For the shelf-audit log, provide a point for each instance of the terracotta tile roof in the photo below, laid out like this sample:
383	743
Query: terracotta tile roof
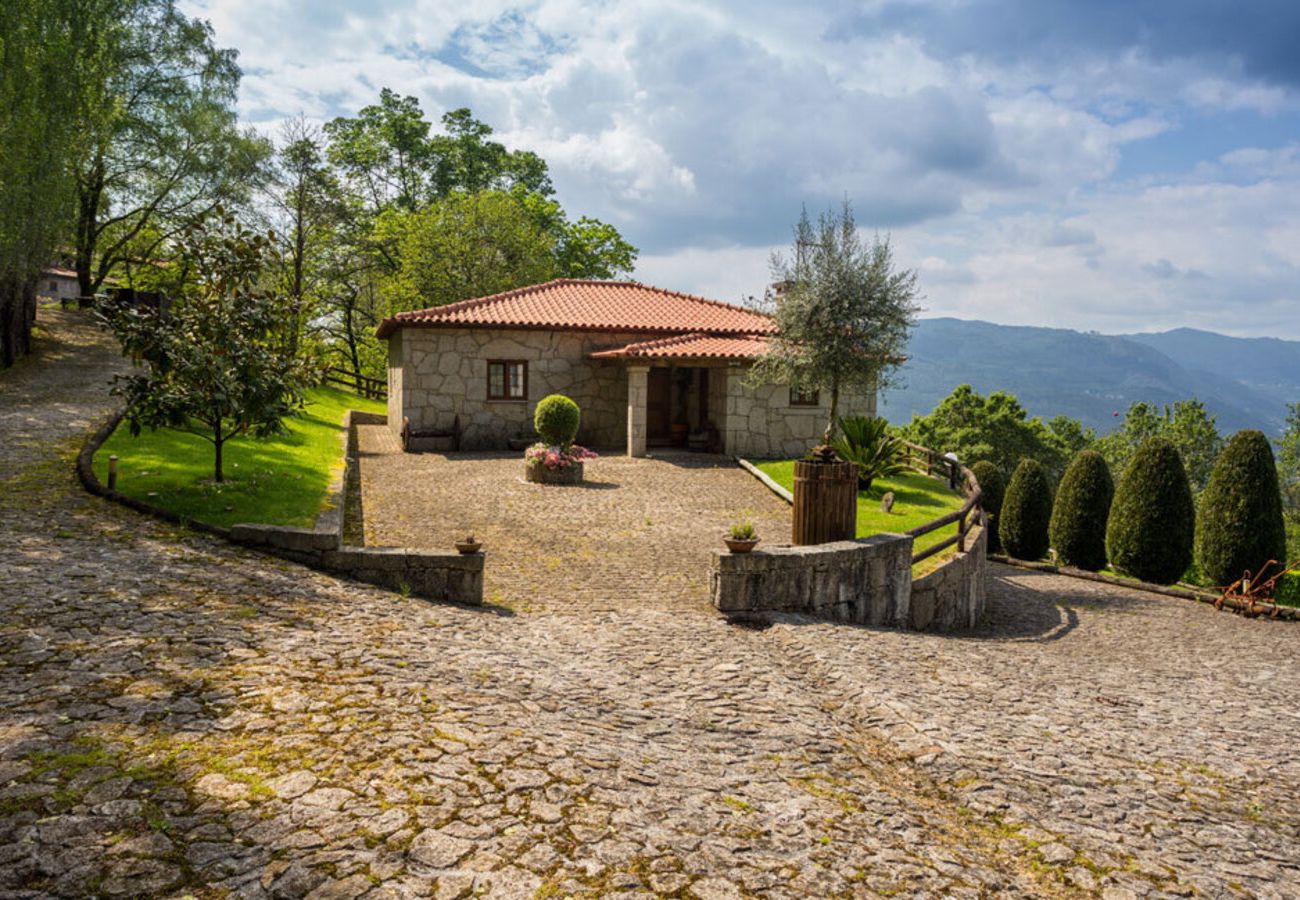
60	271
691	346
574	305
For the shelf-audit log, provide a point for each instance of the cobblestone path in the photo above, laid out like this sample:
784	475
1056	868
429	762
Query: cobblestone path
178	716
639	532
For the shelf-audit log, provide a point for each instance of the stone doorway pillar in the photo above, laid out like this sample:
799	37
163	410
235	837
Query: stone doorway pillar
638	391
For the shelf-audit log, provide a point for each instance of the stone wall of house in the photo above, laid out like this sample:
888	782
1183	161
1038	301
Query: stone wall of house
436	374
760	422
865	582
951	597
443	373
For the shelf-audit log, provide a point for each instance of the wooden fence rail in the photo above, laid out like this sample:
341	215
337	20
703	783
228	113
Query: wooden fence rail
373	388
930	462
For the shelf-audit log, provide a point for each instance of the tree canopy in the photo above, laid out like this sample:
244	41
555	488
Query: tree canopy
844	313
158	142
1187	425
42	76
997	428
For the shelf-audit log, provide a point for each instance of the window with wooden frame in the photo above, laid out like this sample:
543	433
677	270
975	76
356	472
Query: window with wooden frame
803	398
507	379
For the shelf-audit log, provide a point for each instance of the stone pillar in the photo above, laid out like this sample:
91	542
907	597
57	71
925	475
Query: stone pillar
638	391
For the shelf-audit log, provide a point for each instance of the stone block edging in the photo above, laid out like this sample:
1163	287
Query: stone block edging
765	479
432	574
1262	610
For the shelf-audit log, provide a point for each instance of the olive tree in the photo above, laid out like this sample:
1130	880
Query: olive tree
842	311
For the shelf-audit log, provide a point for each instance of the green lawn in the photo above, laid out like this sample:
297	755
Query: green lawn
281	480
917	499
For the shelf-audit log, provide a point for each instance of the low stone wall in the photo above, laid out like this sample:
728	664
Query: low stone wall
951	597
865	582
432	574
435	575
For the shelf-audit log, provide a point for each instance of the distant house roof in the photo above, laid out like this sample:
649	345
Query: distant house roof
691	346
568	304
59	271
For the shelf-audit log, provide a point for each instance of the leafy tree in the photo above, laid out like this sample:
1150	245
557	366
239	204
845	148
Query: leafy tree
470	245
844	313
1240	526
1288	463
42	75
158	141
1026	512
1079	514
993	487
1186	424
1152	519
306	206
997	428
210	367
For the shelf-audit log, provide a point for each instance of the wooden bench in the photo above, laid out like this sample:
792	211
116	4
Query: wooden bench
411	435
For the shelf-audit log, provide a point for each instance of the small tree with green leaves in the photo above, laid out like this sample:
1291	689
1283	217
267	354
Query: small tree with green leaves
1079	514
993	488
842	311
1026	512
1240	527
211	366
1152	520
556	420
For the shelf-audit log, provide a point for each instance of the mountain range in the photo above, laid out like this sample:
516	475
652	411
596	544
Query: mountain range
1244	382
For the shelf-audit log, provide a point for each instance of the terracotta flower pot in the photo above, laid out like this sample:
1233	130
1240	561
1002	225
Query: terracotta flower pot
736	545
468	547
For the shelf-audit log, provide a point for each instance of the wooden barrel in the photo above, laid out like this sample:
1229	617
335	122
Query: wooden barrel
825	502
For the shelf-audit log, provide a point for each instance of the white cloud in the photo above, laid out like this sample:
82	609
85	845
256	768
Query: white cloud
699	129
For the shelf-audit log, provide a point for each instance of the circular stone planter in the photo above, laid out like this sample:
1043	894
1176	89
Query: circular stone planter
735	545
570	474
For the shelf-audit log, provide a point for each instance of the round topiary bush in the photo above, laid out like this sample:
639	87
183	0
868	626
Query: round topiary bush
1078	529
1026	512
556	420
993	487
1240	527
1152	520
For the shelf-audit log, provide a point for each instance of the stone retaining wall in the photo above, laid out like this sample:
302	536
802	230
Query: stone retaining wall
432	574
951	597
865	582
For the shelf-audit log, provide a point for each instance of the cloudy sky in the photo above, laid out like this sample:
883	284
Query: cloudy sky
1118	165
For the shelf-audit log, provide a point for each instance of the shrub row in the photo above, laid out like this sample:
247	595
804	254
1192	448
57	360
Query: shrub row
1148	527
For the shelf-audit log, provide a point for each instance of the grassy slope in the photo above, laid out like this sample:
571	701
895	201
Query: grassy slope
917	500
281	480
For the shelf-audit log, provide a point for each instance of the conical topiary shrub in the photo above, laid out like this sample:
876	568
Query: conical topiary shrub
1149	534
993	487
1026	512
1240	527
1079	513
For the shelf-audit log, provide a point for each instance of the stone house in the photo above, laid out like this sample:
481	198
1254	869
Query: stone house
58	283
649	367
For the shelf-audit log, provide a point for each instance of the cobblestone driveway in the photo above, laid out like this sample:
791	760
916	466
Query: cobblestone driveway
179	716
639	533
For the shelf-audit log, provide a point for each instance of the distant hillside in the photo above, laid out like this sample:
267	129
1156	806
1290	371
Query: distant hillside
1246	383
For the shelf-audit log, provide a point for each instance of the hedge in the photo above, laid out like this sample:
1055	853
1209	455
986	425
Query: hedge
1079	514
1152	519
993	487
1026	512
1240	527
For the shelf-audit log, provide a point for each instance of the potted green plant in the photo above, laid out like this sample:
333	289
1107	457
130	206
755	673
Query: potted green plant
742	538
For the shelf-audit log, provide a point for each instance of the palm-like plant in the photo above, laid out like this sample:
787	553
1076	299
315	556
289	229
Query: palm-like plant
867	443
